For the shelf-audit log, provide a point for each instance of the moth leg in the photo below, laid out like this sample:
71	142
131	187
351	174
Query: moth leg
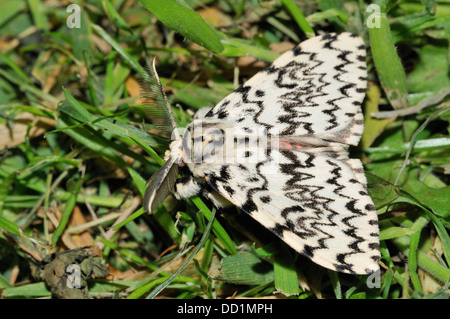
186	187
218	200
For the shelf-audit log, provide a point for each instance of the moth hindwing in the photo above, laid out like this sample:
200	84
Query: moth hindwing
277	148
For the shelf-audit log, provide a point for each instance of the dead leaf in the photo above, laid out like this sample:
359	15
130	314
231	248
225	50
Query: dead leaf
84	238
11	137
215	17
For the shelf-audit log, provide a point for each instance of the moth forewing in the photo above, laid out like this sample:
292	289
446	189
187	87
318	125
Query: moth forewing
160	185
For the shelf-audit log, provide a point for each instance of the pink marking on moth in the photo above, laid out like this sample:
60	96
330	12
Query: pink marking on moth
289	146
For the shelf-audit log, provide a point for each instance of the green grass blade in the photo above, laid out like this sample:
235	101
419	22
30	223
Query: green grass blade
441	230
14	67
125	55
387	63
284	273
326	15
38	289
218	230
335	282
186	22
114	16
70	204
98	143
150	151
412	260
130	218
203	240
78	112
298	16
433	268
245	269
240	47
10	227
128	254
9	8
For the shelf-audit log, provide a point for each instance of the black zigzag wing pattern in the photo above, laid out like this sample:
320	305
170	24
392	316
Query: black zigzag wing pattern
305	189
312	200
315	89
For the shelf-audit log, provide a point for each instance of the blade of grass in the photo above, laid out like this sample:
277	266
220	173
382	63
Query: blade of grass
218	230
18	70
38	289
125	55
75	110
412	260
128	254
283	28
207	255
116	74
132	217
433	268
203	240
4	283
387	282
38	163
9	8
146	148
245	269
96	142
413	142
440	228
7	181
186	22
327	15
81	37
334	277
421	145
26	88
37	9
284	273
240	47
90	80
387	63
114	16
10	226
70	204
298	16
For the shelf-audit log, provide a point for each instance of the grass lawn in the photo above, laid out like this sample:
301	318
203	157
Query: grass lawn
76	149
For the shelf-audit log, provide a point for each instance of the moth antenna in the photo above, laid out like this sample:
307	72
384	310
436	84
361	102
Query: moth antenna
155	103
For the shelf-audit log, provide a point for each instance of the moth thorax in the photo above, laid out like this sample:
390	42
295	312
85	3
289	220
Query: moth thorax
176	151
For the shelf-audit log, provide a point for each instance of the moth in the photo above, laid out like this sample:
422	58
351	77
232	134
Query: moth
277	148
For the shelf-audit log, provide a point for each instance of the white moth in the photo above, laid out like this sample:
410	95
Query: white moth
277	147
